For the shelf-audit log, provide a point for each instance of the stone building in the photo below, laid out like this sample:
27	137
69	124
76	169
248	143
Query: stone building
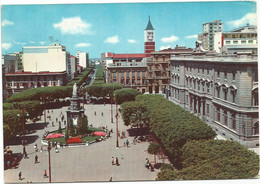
159	68
220	90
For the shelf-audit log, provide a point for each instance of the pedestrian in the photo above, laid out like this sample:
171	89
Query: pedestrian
56	120
52	111
35	147
52	123
102	114
41	148
36	159
113	163
25	155
127	143
20	175
110	179
45	174
95	113
8	163
117	163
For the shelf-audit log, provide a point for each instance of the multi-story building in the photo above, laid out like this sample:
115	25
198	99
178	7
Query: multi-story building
83	59
73	64
222	90
19	81
210	35
129	70
240	40
159	68
10	62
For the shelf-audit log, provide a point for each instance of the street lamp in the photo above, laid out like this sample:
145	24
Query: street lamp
111	98
117	145
49	151
23	115
43	99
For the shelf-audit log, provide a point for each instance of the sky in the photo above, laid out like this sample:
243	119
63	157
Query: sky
116	27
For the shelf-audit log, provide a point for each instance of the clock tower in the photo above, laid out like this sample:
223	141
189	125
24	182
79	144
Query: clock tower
149	43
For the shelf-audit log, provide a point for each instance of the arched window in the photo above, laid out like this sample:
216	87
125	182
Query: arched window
255	96
256	128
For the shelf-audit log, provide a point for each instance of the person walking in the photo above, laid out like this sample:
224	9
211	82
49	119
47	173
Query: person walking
45	174
110	179
36	159
127	143
117	163
113	163
20	175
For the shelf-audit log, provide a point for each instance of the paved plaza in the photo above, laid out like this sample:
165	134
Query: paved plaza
84	163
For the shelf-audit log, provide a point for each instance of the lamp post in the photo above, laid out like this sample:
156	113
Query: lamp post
49	151
117	145
44	102
23	115
111	98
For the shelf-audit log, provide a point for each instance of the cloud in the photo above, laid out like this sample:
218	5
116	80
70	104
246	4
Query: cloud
6	46
42	42
131	41
165	47
170	39
191	36
112	39
32	42
250	18
73	25
19	43
7	23
83	45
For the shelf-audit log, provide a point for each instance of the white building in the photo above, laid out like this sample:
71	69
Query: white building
243	39
83	59
52	58
73	63
210	30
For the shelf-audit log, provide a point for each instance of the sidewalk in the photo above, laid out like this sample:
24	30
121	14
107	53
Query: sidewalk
92	163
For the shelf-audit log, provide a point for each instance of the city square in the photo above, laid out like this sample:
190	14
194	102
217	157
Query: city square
151	98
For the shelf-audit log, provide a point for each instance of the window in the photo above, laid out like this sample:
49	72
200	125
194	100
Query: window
225	117
207	109
114	77
207	71
217	89
218	114
250	41
233	120
217	74
228	42
235	42
233	76
243	42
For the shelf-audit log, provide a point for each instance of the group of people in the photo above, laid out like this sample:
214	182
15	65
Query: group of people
148	165
115	161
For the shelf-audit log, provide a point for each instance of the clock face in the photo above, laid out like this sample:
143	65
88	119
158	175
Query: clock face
150	37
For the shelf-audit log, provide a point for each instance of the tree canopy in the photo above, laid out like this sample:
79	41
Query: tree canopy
214	159
134	113
154	149
125	95
102	90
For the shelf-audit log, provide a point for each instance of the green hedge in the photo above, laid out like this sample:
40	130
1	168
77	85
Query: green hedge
102	90
174	126
214	159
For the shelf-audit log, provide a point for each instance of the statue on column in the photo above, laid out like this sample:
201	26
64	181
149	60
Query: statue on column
74	92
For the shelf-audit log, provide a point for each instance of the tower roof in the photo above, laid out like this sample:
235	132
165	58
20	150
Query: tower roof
149	25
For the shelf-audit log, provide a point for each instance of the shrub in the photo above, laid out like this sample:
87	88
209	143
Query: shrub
166	166
125	95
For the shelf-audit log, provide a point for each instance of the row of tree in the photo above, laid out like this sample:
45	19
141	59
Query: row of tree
102	90
79	79
99	78
189	142
213	159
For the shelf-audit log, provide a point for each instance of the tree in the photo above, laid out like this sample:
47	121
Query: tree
214	159
82	125
66	135
125	95
59	129
135	114
102	90
72	129
154	149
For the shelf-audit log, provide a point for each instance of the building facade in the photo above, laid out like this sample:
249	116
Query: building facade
240	40
220	90
210	35
73	64
19	81
83	59
159	67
